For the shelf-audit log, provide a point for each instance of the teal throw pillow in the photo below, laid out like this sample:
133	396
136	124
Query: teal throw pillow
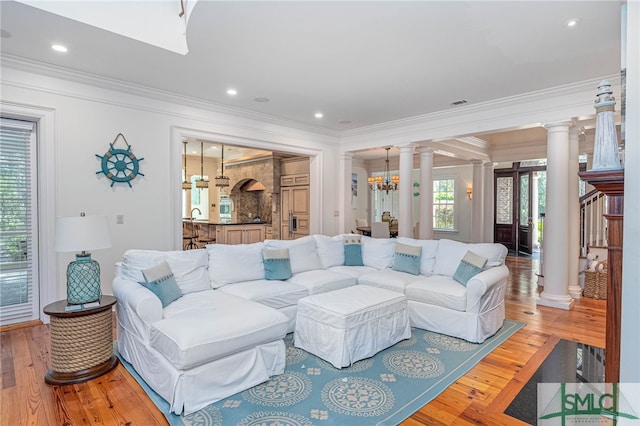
352	251
470	265
407	258
276	264
162	283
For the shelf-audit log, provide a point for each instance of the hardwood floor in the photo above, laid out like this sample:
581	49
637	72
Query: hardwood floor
479	397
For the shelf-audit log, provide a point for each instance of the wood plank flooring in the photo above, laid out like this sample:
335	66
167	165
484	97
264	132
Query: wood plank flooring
478	398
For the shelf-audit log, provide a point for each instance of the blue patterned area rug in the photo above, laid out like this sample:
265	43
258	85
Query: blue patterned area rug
382	390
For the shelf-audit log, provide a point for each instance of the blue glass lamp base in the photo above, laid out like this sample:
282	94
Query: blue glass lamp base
83	280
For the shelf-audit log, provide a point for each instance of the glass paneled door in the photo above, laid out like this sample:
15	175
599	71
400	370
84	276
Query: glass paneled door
519	198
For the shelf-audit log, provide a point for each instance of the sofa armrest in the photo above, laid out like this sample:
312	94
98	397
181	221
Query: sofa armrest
138	308
484	285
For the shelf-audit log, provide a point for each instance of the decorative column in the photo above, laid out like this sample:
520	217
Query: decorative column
556	233
346	165
477	199
426	193
405	212
574	213
488	204
608	176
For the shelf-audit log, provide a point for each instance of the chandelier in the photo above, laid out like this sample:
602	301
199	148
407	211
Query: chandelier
385	182
222	181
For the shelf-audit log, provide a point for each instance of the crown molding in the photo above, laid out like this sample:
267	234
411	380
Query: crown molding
412	128
81	77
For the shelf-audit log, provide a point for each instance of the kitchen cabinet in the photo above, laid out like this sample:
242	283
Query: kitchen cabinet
240	234
294	202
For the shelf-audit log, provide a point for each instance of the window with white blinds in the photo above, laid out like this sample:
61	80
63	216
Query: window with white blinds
19	299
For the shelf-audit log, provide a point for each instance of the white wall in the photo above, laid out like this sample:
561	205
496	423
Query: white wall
88	118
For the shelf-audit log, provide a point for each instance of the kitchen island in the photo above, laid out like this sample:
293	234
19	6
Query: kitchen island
227	233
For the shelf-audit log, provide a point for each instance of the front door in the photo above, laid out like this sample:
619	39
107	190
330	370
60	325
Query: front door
517	207
525	221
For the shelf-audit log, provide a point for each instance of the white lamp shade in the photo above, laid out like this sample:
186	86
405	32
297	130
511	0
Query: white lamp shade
82	233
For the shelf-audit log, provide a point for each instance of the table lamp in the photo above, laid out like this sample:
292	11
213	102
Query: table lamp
79	234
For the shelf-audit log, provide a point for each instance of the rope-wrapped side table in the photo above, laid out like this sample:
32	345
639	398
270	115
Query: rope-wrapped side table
81	342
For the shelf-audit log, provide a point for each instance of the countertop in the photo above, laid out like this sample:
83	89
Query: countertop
226	224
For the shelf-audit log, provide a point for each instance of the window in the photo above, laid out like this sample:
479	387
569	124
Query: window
195	203
19	300
443	203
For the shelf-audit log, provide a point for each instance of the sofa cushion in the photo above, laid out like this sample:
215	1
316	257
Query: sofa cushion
330	250
428	255
353	250
378	252
354	271
276	294
276	264
451	252
198	336
189	267
322	280
470	265
160	280
494	252
303	253
406	258
438	290
388	279
235	263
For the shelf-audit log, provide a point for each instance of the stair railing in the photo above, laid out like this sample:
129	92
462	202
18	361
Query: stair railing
593	224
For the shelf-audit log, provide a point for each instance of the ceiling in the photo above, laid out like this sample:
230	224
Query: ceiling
359	63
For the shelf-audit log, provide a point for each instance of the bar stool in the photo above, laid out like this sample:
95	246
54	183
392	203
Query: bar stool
201	236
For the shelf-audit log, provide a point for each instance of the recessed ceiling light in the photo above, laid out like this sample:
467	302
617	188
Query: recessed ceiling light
572	23
232	92
345	122
261	99
59	48
319	115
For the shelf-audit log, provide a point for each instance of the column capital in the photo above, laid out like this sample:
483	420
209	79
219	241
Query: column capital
425	149
488	164
558	125
345	155
408	147
476	162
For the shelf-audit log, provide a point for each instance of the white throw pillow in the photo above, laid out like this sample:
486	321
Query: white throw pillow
189	267
448	257
378	252
303	253
330	250
494	252
428	256
235	263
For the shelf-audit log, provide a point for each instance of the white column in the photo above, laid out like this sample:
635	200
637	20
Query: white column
488	204
573	196
426	193
556	233
477	199
405	211
346	165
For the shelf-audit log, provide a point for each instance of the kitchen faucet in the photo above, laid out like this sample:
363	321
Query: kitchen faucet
194	209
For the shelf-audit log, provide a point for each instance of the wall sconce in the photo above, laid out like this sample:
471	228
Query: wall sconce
469	193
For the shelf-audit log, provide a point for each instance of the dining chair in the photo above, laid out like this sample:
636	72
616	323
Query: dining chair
380	230
361	222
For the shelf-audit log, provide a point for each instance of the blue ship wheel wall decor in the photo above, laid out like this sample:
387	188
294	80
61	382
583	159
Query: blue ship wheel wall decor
119	165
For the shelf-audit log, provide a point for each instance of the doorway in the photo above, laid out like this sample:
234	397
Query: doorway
519	203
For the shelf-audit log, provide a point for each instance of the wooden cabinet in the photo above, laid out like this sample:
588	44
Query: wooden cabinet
294	206
240	234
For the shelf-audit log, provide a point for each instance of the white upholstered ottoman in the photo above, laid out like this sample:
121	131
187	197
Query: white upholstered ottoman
350	324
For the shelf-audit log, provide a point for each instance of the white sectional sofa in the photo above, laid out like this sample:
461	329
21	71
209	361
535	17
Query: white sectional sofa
225	332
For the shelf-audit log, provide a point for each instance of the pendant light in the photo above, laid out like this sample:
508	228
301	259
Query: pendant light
185	183
222	181
202	183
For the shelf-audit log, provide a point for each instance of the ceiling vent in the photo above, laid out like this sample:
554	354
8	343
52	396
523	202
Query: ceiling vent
458	103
